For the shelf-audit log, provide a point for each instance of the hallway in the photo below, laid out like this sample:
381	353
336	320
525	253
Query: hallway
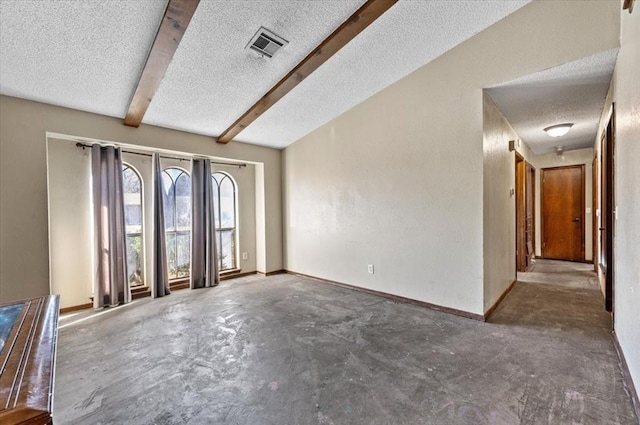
561	273
290	350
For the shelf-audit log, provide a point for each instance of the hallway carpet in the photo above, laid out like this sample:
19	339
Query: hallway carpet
291	350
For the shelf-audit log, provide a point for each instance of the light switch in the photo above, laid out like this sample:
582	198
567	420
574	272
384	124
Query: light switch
588	210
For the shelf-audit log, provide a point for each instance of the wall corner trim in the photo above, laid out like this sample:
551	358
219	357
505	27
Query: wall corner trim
493	308
397	298
626	377
272	273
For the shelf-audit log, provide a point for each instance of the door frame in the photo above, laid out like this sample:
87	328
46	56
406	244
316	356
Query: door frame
595	206
531	175
582	213
521	263
607	204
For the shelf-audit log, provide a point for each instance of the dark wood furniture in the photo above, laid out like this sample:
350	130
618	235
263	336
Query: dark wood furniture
28	332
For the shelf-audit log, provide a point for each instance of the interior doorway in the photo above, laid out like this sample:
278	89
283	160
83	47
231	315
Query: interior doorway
607	206
530	212
525	213
562	207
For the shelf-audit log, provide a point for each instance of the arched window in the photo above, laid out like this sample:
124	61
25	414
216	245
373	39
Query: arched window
177	221
224	202
132	186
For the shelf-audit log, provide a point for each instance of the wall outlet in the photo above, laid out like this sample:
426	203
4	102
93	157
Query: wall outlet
370	268
245	256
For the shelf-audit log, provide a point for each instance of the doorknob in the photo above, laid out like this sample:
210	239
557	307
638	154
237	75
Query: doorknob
576	219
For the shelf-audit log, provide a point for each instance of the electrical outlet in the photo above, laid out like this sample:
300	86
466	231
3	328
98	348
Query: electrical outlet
245	256
370	268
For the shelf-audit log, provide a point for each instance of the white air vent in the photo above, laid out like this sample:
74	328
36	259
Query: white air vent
266	43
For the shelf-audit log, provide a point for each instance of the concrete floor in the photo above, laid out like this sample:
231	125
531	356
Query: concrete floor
289	350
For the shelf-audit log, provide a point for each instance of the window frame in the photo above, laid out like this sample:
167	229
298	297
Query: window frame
235	232
126	165
176	230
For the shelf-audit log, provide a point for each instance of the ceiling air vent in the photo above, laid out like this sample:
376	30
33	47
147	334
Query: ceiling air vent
266	43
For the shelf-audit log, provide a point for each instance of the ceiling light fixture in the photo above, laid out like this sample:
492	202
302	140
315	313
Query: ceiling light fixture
558	130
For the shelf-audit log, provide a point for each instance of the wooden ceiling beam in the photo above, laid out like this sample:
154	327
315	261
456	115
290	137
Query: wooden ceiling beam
628	5
346	32
174	24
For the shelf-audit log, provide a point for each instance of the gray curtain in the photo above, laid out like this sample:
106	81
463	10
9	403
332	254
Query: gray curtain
204	255
160	270
111	286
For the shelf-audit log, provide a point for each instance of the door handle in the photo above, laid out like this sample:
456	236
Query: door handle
576	219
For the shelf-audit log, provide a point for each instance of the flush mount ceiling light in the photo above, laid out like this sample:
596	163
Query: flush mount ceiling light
558	130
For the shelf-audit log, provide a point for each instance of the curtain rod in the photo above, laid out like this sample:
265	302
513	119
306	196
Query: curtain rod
84	145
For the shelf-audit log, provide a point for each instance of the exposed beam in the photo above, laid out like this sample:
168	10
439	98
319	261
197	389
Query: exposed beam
174	23
346	32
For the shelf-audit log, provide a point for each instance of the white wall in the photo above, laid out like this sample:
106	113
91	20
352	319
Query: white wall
574	157
397	181
627	192
24	244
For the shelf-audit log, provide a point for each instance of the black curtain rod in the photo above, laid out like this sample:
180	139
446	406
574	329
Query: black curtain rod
84	145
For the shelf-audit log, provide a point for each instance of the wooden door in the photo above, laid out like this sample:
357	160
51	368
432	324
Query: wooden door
606	214
521	246
563	213
530	190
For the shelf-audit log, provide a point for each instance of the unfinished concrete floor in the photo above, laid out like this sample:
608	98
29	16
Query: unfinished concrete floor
289	350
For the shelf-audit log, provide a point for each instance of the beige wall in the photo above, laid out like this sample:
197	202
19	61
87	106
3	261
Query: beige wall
24	245
499	206
70	222
627	192
397	181
574	157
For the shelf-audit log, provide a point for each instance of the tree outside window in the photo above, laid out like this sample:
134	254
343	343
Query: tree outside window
132	186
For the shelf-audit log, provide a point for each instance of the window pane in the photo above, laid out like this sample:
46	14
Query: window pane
134	260
130	180
227	204
183	254
183	202
171	254
132	188
168	200
226	250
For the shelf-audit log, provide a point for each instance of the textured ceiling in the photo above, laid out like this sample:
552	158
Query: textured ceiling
407	36
573	92
87	55
84	54
213	79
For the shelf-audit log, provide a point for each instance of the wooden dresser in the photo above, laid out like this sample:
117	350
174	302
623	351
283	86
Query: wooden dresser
28	335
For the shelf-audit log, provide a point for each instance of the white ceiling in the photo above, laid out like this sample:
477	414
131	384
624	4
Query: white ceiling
88	54
85	55
571	93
